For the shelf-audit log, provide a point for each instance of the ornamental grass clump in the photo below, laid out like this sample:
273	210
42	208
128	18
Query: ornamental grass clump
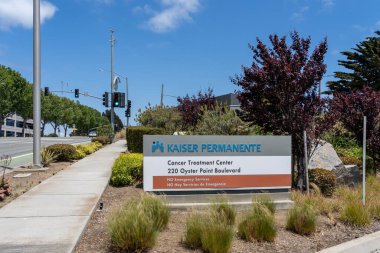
156	208
210	230
302	219
266	201
354	213
258	224
224	211
217	236
135	226
194	229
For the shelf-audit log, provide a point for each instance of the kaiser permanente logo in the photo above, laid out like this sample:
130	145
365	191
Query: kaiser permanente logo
206	148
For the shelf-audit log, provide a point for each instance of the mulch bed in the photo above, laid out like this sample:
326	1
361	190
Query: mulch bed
19	186
329	233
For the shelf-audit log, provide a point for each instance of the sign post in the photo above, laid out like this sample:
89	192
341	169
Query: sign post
206	163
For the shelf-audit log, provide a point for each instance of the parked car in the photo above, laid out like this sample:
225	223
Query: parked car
92	133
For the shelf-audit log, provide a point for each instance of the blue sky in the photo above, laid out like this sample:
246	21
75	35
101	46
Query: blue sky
186	44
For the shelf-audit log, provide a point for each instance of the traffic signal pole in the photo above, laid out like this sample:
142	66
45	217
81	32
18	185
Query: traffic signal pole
112	90
36	84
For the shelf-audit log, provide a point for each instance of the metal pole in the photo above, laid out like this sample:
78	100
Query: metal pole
36	84
162	96
126	80
364	154
306	162
112	77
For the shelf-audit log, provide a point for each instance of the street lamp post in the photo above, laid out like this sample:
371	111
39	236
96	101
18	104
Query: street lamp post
112	89
36	84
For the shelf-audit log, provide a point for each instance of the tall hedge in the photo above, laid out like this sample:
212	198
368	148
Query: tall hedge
135	137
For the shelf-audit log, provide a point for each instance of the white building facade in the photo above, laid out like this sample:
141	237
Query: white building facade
12	127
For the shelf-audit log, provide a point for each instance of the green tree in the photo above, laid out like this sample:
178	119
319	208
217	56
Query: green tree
220	120
6	93
168	118
118	123
24	101
364	66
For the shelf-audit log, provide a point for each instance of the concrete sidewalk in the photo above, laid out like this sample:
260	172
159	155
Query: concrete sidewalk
52	216
366	244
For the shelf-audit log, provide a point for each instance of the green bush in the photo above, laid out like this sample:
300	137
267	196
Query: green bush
126	169
324	179
157	210
47	157
258	224
104	140
131	228
208	231
79	154
64	152
89	148
135	137
224	211
354	213
217	237
193	230
302	219
266	201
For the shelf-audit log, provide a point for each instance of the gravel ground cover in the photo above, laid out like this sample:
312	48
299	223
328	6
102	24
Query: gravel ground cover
329	232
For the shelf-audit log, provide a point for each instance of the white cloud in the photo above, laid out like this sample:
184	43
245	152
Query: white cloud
299	15
328	4
15	13
174	13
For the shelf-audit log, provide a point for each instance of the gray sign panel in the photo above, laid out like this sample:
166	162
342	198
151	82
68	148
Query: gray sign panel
209	145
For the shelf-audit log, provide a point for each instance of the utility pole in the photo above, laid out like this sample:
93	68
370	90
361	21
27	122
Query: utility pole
162	96
127	91
36	84
112	77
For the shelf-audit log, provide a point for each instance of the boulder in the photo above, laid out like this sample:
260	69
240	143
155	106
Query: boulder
325	157
349	175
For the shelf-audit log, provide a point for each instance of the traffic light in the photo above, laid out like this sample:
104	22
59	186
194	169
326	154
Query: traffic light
129	104
105	99
116	99
128	113
46	91
76	93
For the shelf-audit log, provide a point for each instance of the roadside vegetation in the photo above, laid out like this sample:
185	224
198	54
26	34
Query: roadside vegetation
134	226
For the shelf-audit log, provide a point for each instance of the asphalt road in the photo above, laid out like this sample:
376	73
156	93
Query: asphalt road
21	149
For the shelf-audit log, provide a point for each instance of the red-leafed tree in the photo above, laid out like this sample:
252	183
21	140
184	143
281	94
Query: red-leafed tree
350	108
279	91
190	107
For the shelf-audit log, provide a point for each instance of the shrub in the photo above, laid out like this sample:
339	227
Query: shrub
127	169
302	219
64	152
131	229
354	213
224	211
89	148
135	137
258	224
208	231
156	208
266	201
217	237
52	135
79	154
324	179
104	140
193	230
47	157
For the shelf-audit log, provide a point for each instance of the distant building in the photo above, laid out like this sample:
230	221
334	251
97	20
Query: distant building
229	99
12	127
